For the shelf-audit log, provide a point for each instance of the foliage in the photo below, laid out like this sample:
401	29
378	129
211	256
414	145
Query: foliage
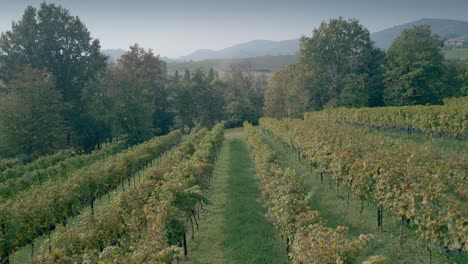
414	68
448	120
50	38
45	206
198	102
31	122
285	94
244	94
118	222
413	182
285	197
23	177
338	52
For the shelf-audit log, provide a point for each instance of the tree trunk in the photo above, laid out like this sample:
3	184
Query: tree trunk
401	230
185	245
92	206
379	217
50	243
430	254
191	224
196	222
32	250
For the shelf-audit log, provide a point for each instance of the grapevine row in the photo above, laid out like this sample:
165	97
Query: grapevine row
413	182
38	212
8	163
451	120
16	169
64	168
285	196
172	206
116	223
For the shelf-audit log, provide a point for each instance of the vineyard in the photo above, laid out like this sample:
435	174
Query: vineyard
331	188
417	184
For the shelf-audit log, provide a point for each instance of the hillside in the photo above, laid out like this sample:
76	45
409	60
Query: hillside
445	28
249	49
114	54
263	63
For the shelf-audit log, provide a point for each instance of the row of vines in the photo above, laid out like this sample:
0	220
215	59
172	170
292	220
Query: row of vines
12	168
413	182
284	194
148	223
435	120
24	177
118	222
26	217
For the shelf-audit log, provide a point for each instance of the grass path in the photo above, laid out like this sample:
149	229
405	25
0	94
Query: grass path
233	228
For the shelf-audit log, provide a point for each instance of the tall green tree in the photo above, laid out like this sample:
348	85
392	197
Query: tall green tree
455	79
209	99
244	99
211	75
414	68
276	93
176	76
198	102
141	97
184	105
31	122
287	93
187	75
96	121
50	38
336	49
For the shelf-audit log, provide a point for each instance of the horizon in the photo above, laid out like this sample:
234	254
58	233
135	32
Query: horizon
215	25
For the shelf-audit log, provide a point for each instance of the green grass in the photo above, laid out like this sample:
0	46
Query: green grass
460	53
233	228
335	209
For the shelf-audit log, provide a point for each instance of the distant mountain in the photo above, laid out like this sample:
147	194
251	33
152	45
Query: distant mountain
249	49
445	28
114	54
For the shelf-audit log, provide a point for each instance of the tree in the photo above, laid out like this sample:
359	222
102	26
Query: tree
211	75
98	115
455	79
243	101
184	106
414	68
354	93
141	98
198	102
176	76
208	95
31	122
336	49
50	38
276	93
186	75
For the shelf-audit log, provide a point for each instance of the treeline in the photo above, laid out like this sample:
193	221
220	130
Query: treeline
340	66
57	90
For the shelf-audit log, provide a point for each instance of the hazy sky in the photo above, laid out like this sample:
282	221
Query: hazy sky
177	27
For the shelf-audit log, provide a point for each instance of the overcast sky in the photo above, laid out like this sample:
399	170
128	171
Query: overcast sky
177	27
